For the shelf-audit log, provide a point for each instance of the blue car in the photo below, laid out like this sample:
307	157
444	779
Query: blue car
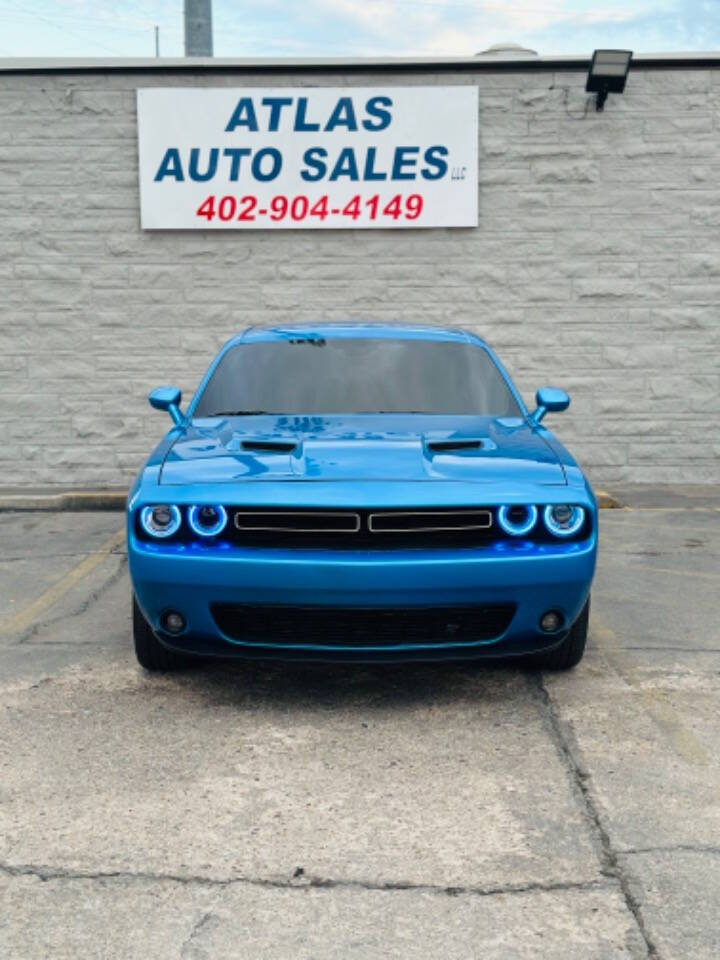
360	493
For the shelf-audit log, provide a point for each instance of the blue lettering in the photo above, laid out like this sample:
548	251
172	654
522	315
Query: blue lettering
313	158
276	104
404	157
171	165
432	159
370	172
343	115
276	160
243	116
346	165
236	154
301	123
374	108
211	168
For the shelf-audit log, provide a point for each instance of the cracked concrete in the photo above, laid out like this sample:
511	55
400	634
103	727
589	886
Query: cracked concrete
258	759
580	775
275	812
157	919
297	881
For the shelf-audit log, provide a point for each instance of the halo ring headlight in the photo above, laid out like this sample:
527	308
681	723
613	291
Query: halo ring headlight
514	524
207	520
563	520
161	520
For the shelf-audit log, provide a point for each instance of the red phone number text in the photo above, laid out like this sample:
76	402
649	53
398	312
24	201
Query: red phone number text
301	208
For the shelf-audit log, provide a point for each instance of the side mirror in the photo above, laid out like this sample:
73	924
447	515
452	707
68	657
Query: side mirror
167	398
549	400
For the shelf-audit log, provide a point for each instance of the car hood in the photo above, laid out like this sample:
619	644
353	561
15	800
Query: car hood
409	447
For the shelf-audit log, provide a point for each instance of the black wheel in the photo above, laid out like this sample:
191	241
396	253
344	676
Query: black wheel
151	654
571	650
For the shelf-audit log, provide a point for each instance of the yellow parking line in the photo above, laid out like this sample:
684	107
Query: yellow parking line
27	617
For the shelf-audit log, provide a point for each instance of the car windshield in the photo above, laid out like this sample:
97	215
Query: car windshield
314	375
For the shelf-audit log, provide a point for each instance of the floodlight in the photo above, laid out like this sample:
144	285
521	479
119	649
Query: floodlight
608	73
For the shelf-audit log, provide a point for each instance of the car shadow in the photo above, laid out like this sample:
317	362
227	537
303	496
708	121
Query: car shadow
267	684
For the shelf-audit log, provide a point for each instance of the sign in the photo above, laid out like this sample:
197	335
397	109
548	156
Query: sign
310	158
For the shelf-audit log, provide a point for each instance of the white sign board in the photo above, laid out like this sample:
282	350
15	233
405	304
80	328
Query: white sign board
310	158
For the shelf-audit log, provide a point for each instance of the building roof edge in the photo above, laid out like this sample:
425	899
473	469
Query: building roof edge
480	64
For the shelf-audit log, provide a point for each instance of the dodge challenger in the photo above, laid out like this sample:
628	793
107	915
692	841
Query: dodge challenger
360	492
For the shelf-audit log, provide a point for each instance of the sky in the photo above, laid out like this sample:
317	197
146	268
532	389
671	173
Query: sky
280	28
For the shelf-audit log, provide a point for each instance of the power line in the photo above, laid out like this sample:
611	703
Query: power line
56	26
113	23
88	37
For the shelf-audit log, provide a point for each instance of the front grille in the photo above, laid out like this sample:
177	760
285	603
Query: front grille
362	529
354	627
419	528
428	521
297	521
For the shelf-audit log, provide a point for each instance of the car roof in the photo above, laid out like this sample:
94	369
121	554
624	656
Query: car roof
356	330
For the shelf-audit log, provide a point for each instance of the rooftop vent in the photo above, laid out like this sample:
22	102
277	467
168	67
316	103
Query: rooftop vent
507	51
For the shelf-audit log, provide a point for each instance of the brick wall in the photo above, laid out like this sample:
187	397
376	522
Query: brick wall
596	267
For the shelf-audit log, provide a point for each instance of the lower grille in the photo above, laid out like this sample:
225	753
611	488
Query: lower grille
353	627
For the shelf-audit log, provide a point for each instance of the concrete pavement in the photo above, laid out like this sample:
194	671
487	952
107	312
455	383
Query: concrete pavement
274	812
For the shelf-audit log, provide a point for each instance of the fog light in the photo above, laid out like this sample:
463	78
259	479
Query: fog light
173	622
551	621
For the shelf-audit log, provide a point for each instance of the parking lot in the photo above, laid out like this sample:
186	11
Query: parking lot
277	811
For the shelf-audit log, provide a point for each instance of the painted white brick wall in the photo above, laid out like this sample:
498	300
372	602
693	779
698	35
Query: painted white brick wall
596	267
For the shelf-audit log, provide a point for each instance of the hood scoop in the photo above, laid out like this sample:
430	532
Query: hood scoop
269	446
454	446
359	448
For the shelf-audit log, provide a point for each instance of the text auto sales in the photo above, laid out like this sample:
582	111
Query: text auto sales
266	163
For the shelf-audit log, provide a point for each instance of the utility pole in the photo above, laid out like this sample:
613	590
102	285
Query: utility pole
157	41
198	28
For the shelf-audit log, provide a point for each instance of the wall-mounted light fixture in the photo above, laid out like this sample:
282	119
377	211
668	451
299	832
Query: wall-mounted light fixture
608	73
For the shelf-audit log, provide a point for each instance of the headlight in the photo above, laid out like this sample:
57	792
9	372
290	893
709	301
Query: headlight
208	520
162	520
517	520
563	520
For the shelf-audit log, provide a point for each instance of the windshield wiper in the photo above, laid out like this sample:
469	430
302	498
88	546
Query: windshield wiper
237	413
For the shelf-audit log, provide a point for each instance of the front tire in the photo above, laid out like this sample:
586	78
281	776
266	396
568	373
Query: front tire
570	652
150	653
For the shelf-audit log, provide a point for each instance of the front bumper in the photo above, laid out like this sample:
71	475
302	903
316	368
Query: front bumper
532	577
